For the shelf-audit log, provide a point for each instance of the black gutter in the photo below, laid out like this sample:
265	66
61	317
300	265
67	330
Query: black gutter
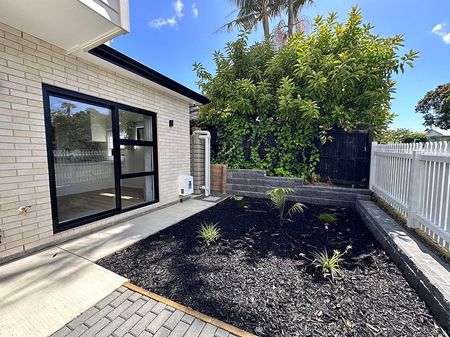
115	57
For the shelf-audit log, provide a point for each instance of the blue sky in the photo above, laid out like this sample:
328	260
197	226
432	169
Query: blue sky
170	35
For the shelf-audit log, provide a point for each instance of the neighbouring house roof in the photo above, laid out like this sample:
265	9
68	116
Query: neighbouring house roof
115	57
437	132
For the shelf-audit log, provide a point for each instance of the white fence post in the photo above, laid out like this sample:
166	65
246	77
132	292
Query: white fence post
415	189
373	159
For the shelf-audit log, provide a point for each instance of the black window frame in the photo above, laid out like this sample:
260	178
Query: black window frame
49	91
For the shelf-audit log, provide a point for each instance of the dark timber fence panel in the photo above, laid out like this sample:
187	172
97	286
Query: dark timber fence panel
346	159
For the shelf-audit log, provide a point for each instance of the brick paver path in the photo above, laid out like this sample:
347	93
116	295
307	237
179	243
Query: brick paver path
126	313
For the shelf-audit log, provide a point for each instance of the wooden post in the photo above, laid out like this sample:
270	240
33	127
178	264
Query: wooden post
415	188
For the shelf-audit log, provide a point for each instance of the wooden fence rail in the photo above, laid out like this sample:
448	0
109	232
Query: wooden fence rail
414	179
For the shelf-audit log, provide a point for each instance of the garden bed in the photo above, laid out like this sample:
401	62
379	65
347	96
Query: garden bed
258	276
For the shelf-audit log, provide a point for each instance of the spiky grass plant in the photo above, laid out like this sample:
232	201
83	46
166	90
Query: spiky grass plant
327	217
209	232
330	266
278	199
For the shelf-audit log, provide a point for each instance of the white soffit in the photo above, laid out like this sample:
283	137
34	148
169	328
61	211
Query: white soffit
69	24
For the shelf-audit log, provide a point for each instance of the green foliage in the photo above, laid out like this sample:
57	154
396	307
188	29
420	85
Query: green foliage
278	198
327	217
271	107
209	233
330	266
435	107
402	136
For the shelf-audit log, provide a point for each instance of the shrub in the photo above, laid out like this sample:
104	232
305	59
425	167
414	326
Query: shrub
209	233
272	106
329	266
278	198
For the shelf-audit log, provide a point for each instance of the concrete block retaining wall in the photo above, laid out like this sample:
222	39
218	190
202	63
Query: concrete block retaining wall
255	183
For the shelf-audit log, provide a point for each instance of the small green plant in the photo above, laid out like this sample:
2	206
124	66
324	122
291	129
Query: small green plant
241	203
209	233
327	217
330	266
278	198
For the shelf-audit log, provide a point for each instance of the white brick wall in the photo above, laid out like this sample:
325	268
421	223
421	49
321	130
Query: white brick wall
25	63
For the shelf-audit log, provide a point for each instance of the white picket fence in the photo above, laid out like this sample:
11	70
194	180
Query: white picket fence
415	180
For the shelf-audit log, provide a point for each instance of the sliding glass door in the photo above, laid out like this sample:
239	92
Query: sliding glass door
102	157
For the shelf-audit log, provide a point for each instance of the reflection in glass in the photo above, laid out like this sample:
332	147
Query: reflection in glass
135	126
135	159
83	160
136	191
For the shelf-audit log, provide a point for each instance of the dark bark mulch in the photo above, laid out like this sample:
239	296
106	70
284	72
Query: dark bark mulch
257	278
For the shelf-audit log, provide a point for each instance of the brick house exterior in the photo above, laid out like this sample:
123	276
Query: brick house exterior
26	63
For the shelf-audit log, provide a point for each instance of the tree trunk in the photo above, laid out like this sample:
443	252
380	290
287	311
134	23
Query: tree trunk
290	18
266	27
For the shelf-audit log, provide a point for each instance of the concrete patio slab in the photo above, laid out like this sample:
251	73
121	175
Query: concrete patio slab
41	293
111	239
44	291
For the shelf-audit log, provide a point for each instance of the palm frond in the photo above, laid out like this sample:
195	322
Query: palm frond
296	208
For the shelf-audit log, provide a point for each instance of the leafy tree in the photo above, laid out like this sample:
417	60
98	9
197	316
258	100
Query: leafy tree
272	107
435	107
402	136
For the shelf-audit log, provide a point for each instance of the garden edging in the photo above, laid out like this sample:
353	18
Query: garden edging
422	269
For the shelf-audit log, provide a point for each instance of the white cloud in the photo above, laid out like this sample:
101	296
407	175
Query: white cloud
178	6
160	22
172	21
195	10
442	30
446	38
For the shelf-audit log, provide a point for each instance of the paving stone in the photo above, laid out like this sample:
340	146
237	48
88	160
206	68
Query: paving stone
158	321
158	308
84	316
208	330
146	334
121	289
146	307
163	332
195	328
188	319
92	331
173	319
126	326
170	308
104	302
62	332
98	316
117	311
78	331
221	333
179	330
122	298
143	323
132	308
135	297
108	330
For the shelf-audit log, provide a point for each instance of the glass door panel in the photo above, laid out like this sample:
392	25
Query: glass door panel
83	158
